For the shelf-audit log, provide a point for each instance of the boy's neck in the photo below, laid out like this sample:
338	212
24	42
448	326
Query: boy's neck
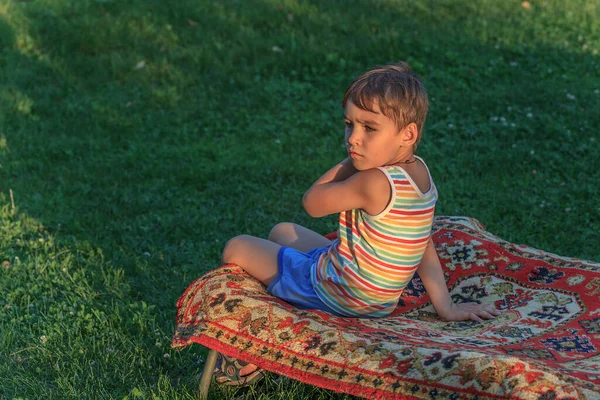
406	157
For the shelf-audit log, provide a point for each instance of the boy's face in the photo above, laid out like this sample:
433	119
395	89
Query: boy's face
372	139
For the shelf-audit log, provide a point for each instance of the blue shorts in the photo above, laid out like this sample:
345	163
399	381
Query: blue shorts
293	283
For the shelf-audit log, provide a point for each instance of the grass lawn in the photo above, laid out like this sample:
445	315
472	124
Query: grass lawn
138	136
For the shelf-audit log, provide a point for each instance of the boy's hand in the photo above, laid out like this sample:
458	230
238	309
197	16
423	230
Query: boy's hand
430	271
469	311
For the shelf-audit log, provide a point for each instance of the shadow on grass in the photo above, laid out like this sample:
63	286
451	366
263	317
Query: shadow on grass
156	131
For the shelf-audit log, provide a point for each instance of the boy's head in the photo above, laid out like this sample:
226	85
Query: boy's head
396	90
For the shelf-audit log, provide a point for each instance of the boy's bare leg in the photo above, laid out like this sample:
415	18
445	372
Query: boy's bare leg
256	256
298	237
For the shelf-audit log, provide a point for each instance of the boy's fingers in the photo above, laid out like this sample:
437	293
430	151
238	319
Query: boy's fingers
491	310
475	317
479	312
486	315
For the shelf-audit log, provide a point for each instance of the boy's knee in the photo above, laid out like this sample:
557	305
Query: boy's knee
233	248
282	232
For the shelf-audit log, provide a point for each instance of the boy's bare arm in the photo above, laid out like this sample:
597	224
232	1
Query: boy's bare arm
344	188
338	173
430	272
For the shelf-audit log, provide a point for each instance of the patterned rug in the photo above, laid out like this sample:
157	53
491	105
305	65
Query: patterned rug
545	345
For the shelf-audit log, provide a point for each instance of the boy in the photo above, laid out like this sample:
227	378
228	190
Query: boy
386	200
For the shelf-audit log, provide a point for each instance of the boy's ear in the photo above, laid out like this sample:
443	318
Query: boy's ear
409	134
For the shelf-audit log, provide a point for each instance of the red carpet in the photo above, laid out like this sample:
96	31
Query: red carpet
545	345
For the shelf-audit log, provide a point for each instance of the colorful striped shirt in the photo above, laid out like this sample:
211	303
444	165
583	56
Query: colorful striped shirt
374	257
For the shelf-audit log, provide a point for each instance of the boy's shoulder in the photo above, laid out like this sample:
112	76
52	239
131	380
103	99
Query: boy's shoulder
377	184
418	173
374	179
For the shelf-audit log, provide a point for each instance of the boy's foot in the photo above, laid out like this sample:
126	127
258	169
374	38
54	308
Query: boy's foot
233	372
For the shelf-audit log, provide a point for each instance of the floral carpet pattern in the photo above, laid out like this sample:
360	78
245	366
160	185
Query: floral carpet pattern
544	346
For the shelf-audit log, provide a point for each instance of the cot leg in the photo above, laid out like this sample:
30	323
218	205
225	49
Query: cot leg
209	367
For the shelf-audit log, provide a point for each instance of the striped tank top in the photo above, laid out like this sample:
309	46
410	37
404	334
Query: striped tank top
368	266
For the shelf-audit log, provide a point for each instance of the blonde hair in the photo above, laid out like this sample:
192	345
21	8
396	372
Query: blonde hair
396	90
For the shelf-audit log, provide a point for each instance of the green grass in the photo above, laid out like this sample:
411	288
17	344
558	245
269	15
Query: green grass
137	137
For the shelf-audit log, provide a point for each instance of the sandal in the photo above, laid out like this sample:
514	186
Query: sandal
228	370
